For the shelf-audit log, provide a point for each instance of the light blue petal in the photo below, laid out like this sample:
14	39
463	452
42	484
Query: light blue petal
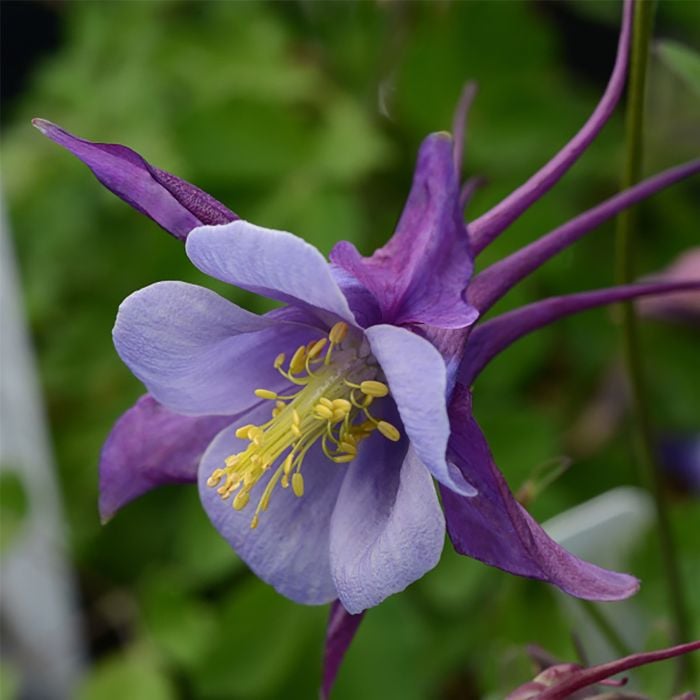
289	549
275	264
199	354
417	378
387	528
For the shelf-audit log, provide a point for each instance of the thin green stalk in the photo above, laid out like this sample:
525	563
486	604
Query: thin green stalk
626	225
606	629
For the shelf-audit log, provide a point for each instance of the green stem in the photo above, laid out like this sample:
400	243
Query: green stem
606	629
626	224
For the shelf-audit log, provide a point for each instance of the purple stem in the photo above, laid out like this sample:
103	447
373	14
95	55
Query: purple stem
341	630
590	676
488	226
491	284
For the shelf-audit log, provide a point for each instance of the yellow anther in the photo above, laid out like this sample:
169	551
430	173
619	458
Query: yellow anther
285	481
374	388
326	402
287	464
340	459
296	364
242	432
215	478
296	430
323	412
388	431
343	404
265	394
316	348
241	500
295	417
338	332
298	484
280	405
279	360
348	447
250	477
338	415
254	522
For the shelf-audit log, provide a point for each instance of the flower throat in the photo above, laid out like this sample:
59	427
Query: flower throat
332	406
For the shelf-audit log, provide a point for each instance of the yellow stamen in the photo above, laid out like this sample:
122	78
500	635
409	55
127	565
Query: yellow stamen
322	411
241	500
338	333
316	348
334	387
265	394
389	431
374	388
296	364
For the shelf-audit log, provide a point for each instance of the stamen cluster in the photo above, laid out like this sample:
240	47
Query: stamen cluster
331	406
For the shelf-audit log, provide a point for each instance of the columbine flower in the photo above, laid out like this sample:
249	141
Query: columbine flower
314	430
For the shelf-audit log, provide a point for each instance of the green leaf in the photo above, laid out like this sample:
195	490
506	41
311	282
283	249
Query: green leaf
13	507
180	624
133	675
260	637
683	61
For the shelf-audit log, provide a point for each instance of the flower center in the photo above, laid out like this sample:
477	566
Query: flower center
337	385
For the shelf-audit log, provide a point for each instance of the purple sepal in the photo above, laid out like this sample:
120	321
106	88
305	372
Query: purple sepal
491	284
420	275
340	632
495	529
172	203
489	226
491	338
150	446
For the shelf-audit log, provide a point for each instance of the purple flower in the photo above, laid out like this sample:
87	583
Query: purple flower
315	431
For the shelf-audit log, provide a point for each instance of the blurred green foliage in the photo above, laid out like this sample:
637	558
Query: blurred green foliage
306	116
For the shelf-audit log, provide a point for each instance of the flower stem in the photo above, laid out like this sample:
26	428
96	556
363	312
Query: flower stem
626	224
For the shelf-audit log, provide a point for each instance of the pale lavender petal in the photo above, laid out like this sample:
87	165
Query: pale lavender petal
420	275
200	354
172	203
491	284
341	630
275	264
417	377
387	528
491	338
493	528
489	225
290	547
150	446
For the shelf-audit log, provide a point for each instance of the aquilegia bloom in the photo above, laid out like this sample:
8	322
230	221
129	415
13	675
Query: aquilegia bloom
315	431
